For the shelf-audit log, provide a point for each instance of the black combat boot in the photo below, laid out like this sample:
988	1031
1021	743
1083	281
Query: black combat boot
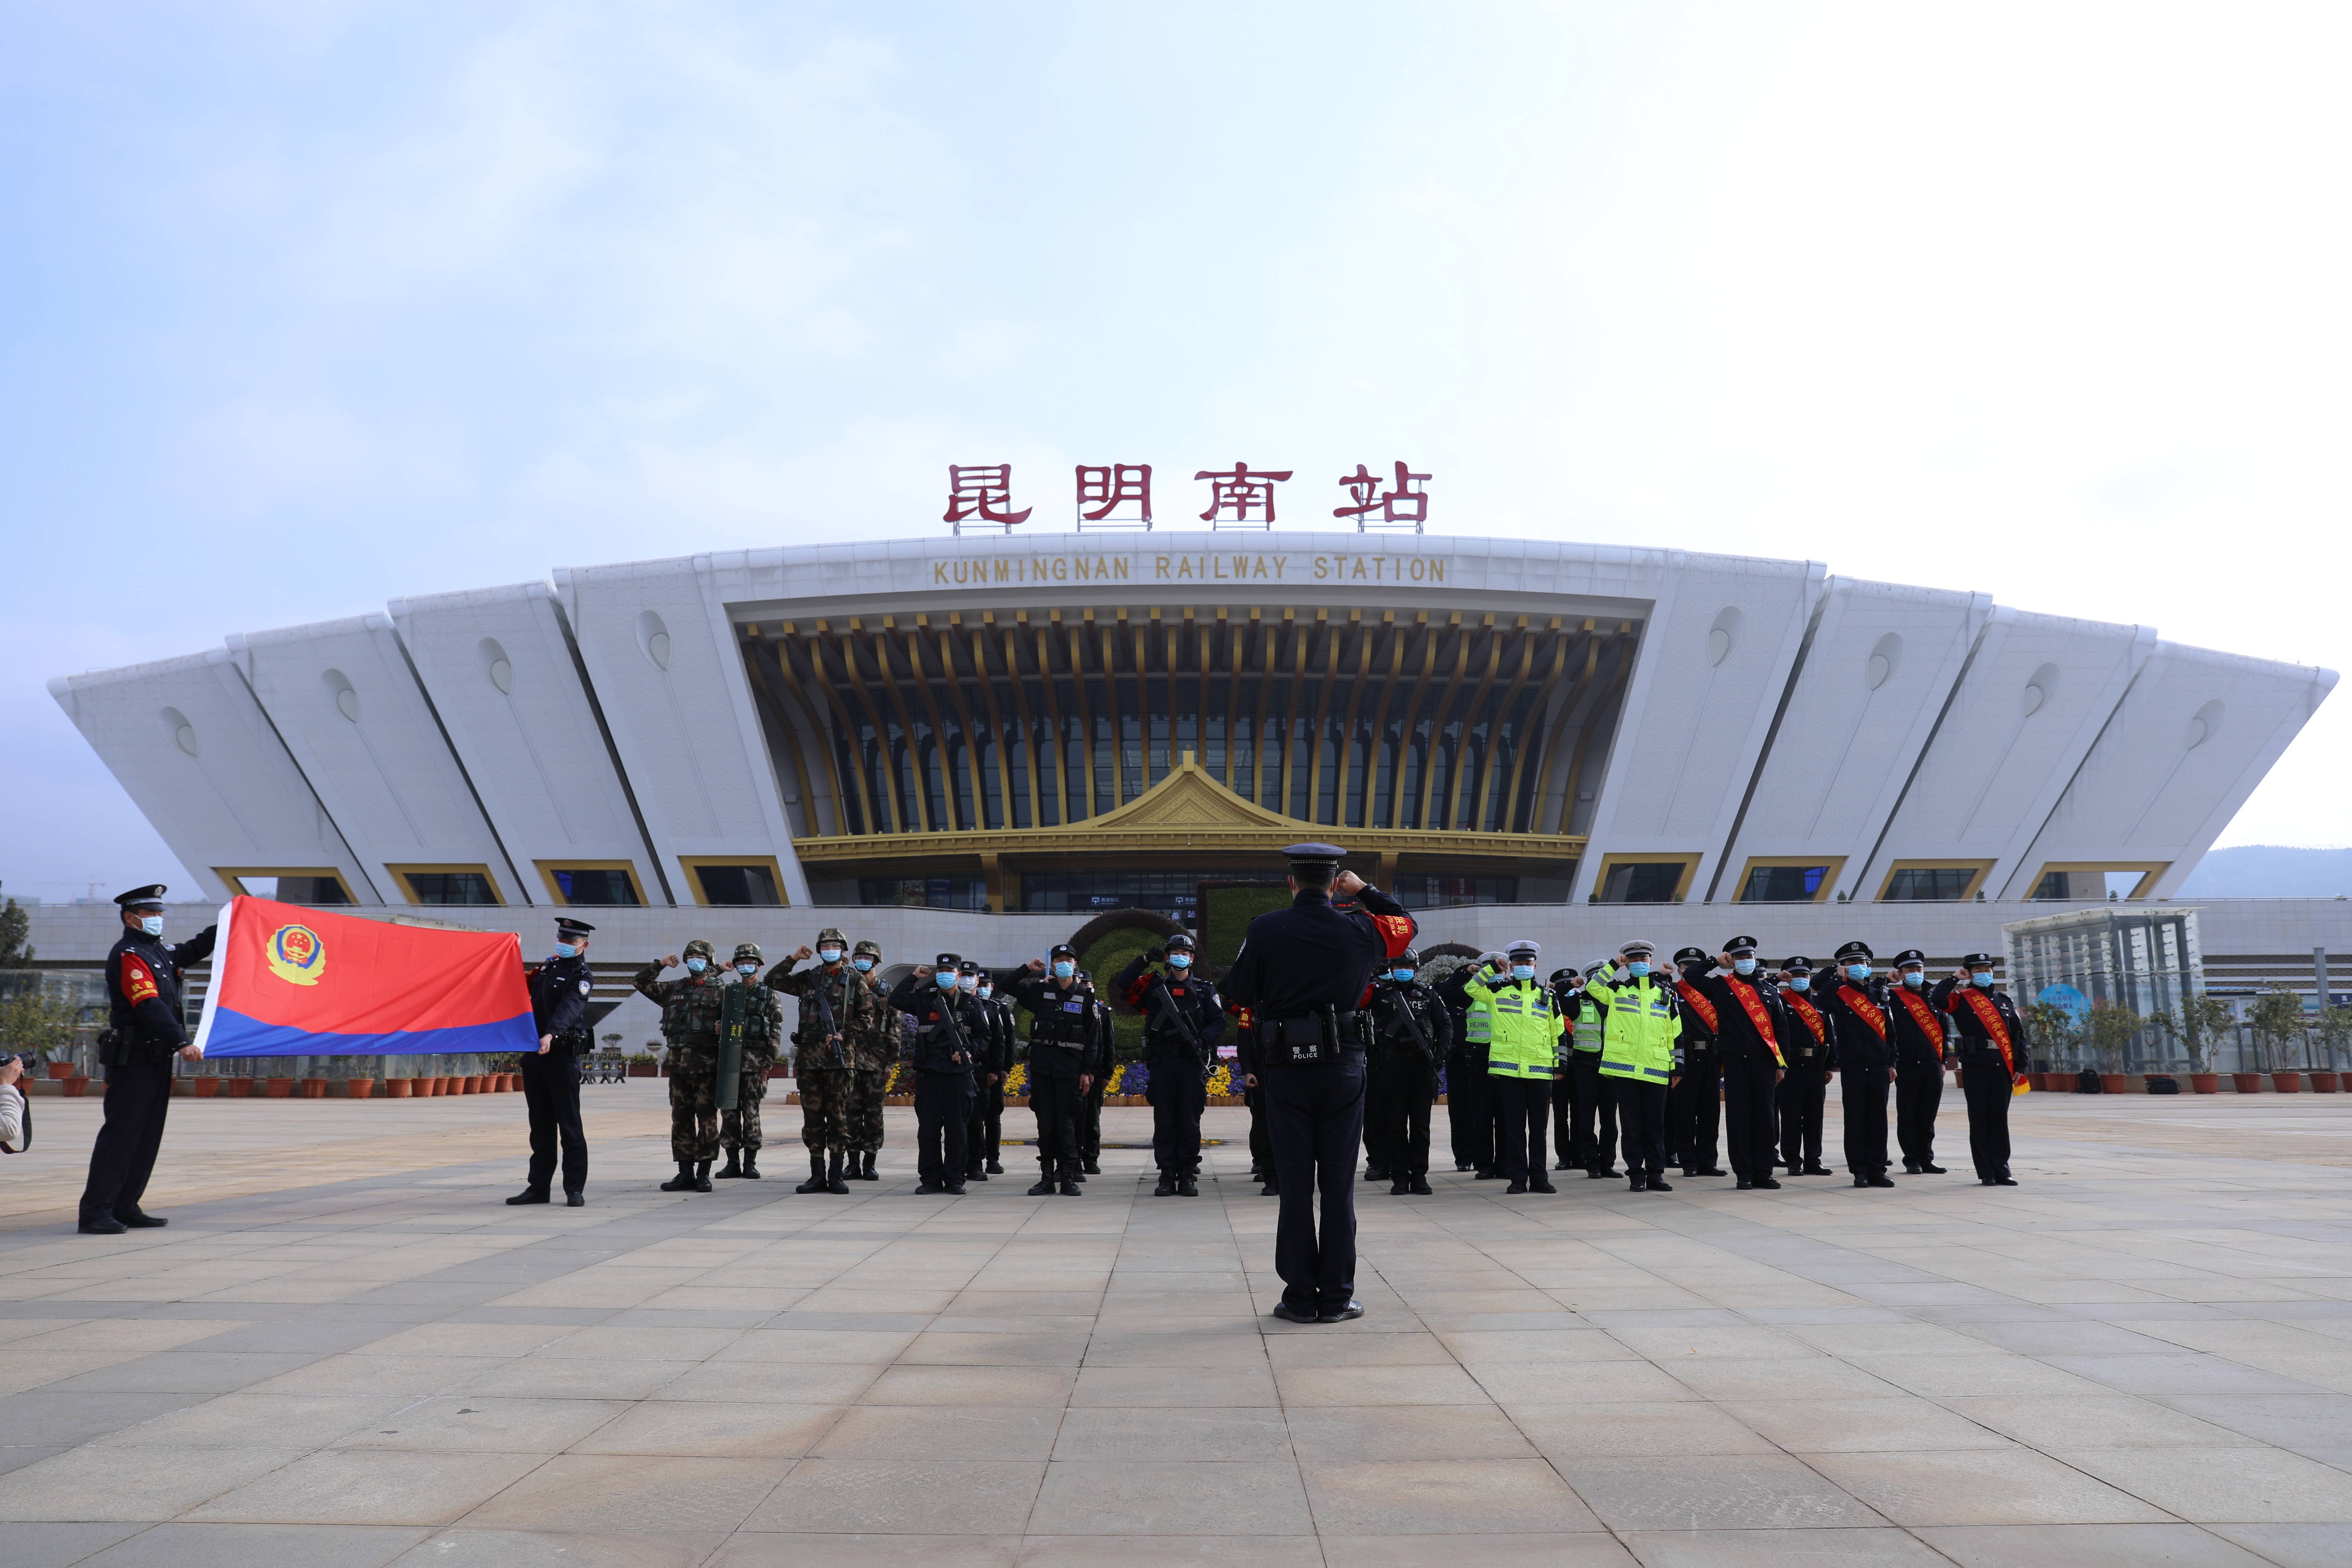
1421	1185
1093	1168
1636	1181
734	1166
702	1176
751	1165
1658	1184
975	1174
684	1181
815	1183
832	1181
1188	1185
1044	1187
1375	1172
1518	1185
866	1172
1070	1180
1540	1183
1401	1187
994	1168
1166	1187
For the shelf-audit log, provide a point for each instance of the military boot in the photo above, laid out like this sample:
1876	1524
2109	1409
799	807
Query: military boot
1093	1168
1070	1180
1188	1185
1166	1187
1421	1185
684	1181
734	1166
1044	1187
815	1183
865	1171
751	1165
832	1181
702	1176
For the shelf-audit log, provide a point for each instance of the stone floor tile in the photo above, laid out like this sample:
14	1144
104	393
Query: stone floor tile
1990	1373
234	1420
719	1428
1799	1548
917	1432
748	1549
2301	1421
1740	1491
1660	1427
1177	1349
1897	1422
816	1346
93	1483
545	1377
1171	1552
1983	1486
936	1349
1204	1497
2086	1546
1714	1342
1576	1382
475	1423
471	1547
344	1487
632	1494
790	1383
1785	1377
360	1372
2237	1484
58	1545
1587	1549
1526	1347
1427	1497
2186	1372
241	1545
1341	1432
2087	1421
1155	1386
901	1497
184	1371
1354	1385
938	1385
469	1339
2292	1545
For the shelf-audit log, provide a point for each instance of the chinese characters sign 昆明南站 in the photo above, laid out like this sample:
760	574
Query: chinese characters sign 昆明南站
1118	496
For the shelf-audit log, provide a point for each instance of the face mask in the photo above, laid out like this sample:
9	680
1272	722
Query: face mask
1800	982
829	954
565	950
947	979
747	968
1065	969
1913	976
1743	966
1522	971
697	965
1982	977
1857	971
861	964
151	924
986	991
1639	969
1179	961
1400	974
968	982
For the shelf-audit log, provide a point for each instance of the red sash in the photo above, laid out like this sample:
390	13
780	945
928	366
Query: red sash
1859	1003
1922	1015
1810	1014
1753	1005
1989	1016
1695	999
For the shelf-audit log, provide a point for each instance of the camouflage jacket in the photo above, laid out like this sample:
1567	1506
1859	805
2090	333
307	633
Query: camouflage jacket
861	1012
689	1007
763	1027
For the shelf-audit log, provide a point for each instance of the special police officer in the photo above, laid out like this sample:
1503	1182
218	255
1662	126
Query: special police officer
1469	1120
1567	994
1811	1048
1919	1063
1513	1010
1408	1029
739	1129
1992	1040
1102	1062
946	1022
551	1079
1637	1058
690	1012
1595	1109
1183	1019
1061	1056
1749	1022
1856	1005
1694	1105
1307	970
992	1060
143	1032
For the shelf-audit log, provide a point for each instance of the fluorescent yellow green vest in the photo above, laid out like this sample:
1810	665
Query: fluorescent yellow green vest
1521	1029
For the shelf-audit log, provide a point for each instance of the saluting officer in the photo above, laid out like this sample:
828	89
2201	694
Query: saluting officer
1811	1052
1919	1064
1637	1058
690	1015
143	1032
1061	1055
1694	1105
990	1062
1993	1039
1183	1018
1307	971
1567	992
1593	1109
1514	1014
1408	1042
1102	1062
1856	1005
740	1132
947	1022
1749	1024
551	1078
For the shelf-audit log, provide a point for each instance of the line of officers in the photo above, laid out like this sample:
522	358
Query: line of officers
1651	1060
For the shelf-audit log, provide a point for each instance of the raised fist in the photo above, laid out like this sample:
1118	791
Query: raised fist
804	953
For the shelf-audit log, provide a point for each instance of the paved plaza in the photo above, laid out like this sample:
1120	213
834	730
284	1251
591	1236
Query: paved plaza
346	1351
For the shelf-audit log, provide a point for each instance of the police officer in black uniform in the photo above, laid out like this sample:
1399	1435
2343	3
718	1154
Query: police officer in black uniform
1748	1026
1061	1056
1853	998
1992	1042
143	1032
1810	1050
1595	1107
1695	1103
551	1079
990	1062
1307	972
1183	1018
948	1023
1409	1029
1918	1037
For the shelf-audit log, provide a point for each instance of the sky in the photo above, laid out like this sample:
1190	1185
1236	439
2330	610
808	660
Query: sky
310	306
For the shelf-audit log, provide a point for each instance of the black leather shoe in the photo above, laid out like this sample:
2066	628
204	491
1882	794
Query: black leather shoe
1401	1187
1658	1184
1713	1170
1862	1181
529	1196
1909	1169
574	1201
1489	1175
1518	1185
1637	1182
1376	1173
1461	1165
1093	1168
924	1189
1744	1185
1166	1187
1271	1190
2005	1181
994	1169
1290	1314
1341	1314
1421	1186
1881	1180
956	1191
1188	1186
104	1225
1540	1184
1768	1184
1605	1174
139	1220
1044	1187
1931	1169
1815	1168
975	1175
1069	1188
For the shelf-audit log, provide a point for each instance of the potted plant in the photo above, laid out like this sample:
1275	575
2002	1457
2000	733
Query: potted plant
2055	1038
2332	1032
2198	1022
2108	1031
205	1085
2278	1024
398	1087
277	1087
358	1089
314	1089
644	1064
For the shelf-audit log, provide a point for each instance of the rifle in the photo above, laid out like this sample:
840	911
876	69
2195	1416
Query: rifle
1413	1026
734	1011
1160	997
825	1021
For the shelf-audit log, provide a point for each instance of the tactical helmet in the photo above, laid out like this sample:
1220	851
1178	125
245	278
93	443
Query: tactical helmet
1410	956
832	934
1179	943
869	947
749	949
700	946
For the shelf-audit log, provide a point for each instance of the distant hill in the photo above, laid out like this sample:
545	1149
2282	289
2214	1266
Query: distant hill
2270	871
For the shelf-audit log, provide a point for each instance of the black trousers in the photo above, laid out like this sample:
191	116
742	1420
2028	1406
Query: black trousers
1522	1117
940	1108
1408	1087
1179	1094
137	1095
1317	1116
1988	1092
1918	1090
551	1093
1090	1106
1803	1095
1679	1119
1702	1113
1384	1123
1640	1122
1595	1112
1261	1137
1862	1097
981	1119
1468	1115
1748	1119
1055	1103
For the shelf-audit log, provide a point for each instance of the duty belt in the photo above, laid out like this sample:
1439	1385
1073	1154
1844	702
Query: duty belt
1311	1036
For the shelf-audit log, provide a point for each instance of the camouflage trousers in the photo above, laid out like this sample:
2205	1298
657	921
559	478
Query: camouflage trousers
739	1128
866	1111
693	1103
825	1108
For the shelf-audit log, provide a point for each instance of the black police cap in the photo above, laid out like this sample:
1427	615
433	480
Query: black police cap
947	961
1314	854
1855	950
1910	956
142	897
1979	960
970	967
571	927
1740	944
1562	976
1692	955
1063	950
1800	965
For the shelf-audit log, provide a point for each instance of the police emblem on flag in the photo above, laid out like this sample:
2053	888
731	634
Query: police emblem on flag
296	955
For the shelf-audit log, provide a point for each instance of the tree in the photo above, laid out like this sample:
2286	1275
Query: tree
2334	1028
31	1021
2278	1022
16	925
2108	1030
2056	1038
2200	1023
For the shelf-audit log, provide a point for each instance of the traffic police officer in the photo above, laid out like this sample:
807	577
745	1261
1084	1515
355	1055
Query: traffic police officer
1811	1053
1919	1064
690	1014
1409	1025
1694	1105
1856	1005
551	1078
1749	1024
144	1031
1183	1018
740	1133
1523	1034
1061	1059
1307	972
1992	1039
1637	1058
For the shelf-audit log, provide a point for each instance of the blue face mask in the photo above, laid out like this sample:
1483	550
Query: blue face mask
1982	977
1065	969
1179	961
151	924
1400	974
747	969
1743	966
697	965
1639	969
1857	971
565	950
828	955
1800	982
946	978
1915	976
986	991
861	964
1522	971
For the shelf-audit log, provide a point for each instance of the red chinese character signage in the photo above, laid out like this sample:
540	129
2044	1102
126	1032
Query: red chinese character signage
1242	497
1117	495
983	493
1405	505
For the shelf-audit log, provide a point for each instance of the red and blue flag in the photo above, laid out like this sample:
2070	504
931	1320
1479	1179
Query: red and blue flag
290	981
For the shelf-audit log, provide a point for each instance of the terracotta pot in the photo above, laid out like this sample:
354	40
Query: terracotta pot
236	1088
75	1087
277	1087
479	1084
2323	1083
60	1070
2247	1082
314	1089
398	1087
203	1088
358	1089
2205	1083
643	1070
2115	1083
2287	1082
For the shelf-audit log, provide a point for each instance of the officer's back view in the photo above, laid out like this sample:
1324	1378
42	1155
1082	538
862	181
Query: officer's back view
1305	971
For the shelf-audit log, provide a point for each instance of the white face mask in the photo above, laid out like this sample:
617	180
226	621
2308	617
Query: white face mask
969	981
151	924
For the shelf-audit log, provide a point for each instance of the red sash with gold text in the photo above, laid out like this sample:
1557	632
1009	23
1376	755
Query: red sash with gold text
1696	1000
1753	1005
1989	1016
1922	1015
1811	1016
1859	1003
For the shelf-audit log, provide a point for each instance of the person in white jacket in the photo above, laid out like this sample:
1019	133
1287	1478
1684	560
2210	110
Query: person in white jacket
16	1130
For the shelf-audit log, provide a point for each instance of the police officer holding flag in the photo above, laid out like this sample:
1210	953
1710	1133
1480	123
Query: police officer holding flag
551	1078
143	1032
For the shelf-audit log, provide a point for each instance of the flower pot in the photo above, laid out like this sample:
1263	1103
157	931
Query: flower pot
398	1087
2247	1082
358	1089
643	1069
203	1088
60	1070
2287	1082
2323	1083
2205	1083
277	1087
314	1089
236	1088
479	1084
75	1087
2113	1083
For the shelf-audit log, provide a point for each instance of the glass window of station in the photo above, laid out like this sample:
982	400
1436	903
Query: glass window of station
596	884
751	885
1783	884
450	886
1930	884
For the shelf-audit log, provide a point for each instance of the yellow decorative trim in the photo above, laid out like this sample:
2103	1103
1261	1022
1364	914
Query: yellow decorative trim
1979	868
547	868
2149	870
691	864
1835	864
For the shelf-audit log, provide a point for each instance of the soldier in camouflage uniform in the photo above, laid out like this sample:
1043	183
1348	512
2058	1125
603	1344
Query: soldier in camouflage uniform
690	1009
824	1067
874	1052
763	1027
